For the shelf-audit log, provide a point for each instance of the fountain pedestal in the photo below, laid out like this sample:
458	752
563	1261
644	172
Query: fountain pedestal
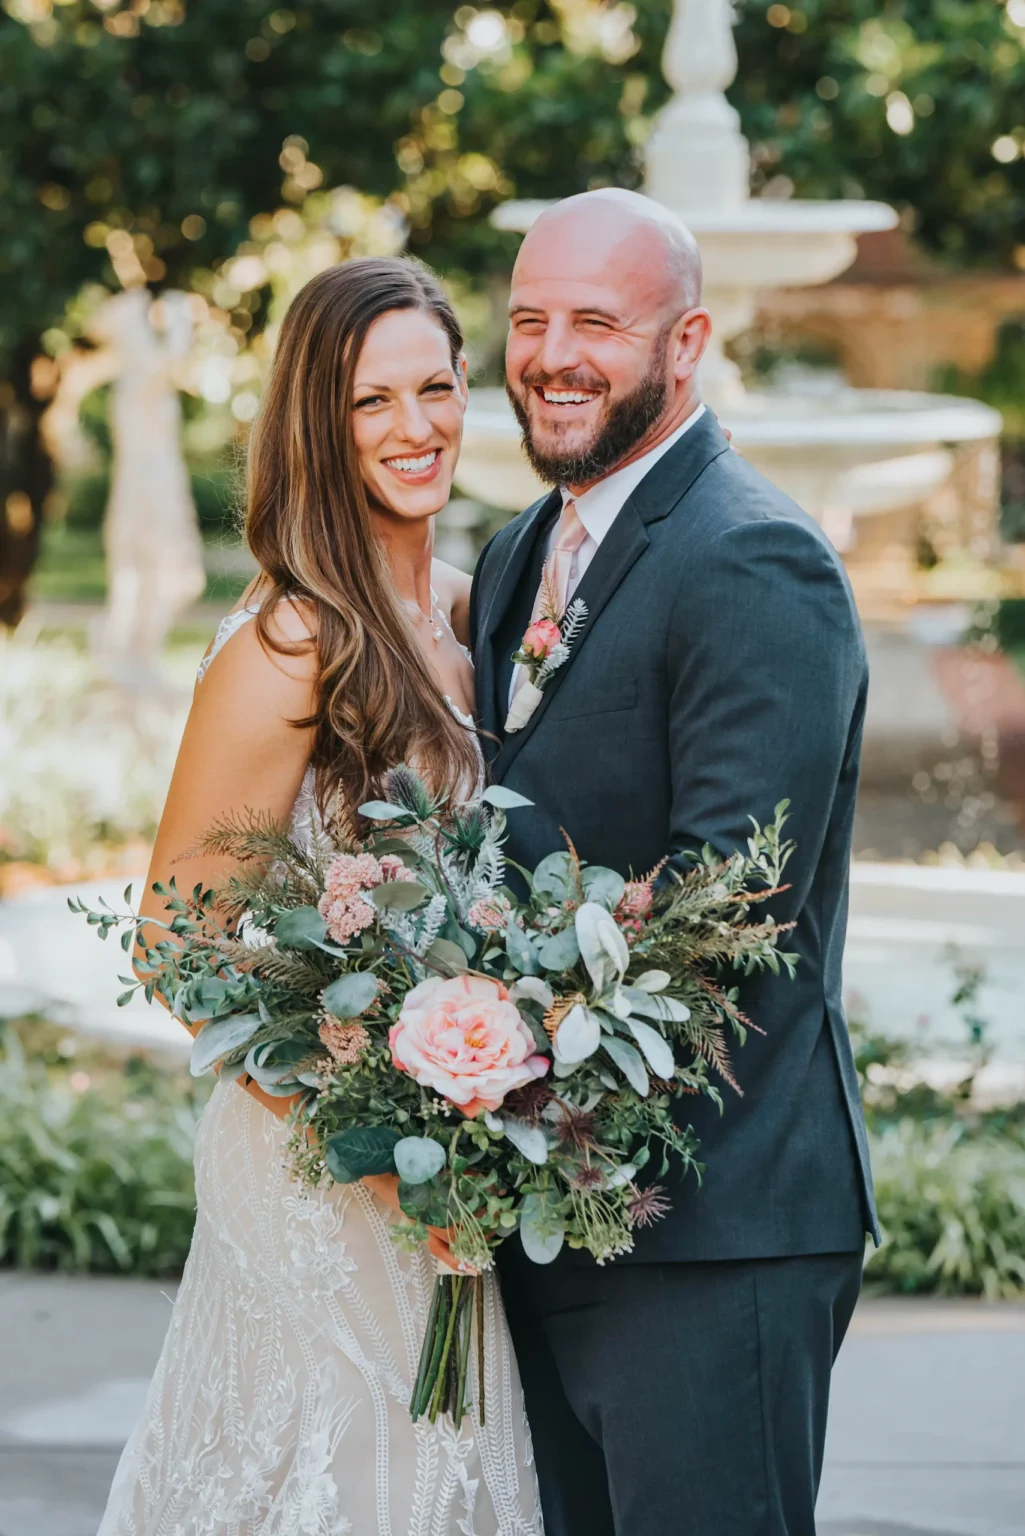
843	454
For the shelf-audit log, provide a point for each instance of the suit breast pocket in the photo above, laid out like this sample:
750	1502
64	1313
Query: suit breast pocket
605	697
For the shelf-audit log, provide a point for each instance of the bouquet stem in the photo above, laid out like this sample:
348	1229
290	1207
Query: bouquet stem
442	1374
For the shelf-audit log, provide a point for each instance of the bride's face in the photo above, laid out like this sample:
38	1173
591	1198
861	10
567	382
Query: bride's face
407	414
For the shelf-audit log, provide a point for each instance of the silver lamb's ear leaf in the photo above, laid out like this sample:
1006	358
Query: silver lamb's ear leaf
655	1006
541	1234
535	989
656	1050
653	981
602	946
577	1037
528	1139
504	799
629	1061
383	810
216	1039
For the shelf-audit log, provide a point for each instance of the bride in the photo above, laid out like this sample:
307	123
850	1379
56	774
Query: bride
280	1402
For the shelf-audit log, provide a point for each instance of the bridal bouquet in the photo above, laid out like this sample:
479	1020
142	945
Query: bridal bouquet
515	1060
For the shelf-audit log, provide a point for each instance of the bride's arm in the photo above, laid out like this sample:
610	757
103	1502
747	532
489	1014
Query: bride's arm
239	753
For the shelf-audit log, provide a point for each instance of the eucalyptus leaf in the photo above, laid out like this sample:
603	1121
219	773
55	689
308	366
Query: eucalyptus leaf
360	1150
528	1139
302	928
578	1036
418	1158
656	1050
504	799
446	957
522	955
554	877
560	951
219	1037
425	1202
604	886
630	1062
350	995
399	896
382	810
542	1234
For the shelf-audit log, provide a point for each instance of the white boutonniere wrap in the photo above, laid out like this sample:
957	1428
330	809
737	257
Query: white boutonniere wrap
545	647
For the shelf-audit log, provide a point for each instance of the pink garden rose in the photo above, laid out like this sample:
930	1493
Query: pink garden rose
465	1039
541	639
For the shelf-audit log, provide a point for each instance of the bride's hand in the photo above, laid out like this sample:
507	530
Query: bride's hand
385	1186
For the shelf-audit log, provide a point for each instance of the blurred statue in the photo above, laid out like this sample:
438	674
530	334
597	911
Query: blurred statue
151	535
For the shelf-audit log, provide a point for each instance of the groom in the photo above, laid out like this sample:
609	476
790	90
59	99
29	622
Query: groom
682	1390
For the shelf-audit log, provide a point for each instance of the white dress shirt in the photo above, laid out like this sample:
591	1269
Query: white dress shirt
599	507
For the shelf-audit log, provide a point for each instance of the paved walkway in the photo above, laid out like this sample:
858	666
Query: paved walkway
927	1432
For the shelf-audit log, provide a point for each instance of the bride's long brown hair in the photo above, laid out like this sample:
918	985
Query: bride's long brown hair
308	523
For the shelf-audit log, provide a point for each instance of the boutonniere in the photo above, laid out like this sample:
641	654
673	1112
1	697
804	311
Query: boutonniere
545	648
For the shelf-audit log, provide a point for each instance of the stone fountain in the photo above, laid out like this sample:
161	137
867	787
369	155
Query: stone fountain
840	453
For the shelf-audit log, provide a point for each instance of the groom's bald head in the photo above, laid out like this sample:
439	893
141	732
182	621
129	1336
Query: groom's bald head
605	332
619	237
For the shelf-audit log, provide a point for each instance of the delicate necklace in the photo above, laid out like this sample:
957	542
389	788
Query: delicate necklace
433	620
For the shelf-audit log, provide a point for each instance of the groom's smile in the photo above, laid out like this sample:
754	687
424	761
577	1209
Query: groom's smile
604	337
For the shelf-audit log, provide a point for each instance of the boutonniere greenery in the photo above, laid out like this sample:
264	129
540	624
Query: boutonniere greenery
545	647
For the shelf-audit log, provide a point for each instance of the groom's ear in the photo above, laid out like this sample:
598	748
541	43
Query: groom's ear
689	338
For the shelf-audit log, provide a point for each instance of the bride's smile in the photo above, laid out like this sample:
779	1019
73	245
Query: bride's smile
407	415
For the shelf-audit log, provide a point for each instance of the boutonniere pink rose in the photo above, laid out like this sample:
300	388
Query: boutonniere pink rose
545	647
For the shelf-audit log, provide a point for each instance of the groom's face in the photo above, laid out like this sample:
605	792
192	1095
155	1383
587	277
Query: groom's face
587	360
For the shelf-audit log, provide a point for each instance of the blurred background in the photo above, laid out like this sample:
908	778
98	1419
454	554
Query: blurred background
171	172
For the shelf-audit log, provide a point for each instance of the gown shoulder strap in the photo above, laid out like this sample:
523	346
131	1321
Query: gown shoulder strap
230	625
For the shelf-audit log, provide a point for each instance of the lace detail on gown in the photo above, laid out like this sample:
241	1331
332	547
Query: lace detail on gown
279	1406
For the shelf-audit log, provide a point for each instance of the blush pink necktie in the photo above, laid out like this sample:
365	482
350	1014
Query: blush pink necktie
570	533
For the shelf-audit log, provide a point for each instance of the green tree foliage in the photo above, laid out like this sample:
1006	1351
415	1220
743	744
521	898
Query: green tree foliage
920	103
137	142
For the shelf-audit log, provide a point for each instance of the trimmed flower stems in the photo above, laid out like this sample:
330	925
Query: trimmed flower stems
445	1358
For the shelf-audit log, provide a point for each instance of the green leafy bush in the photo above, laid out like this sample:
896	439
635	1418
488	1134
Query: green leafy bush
949	1176
952	1205
95	1159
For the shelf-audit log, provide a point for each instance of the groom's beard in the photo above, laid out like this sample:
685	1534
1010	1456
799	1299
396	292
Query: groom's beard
624	424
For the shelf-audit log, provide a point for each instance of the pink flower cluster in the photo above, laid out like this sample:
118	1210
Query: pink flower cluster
490	914
634	906
345	1041
344	905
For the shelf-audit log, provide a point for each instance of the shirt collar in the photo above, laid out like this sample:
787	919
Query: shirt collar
599	507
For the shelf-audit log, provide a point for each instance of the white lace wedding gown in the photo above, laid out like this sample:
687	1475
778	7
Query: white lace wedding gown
280	1404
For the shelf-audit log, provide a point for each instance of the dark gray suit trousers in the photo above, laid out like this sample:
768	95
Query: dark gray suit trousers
679	1399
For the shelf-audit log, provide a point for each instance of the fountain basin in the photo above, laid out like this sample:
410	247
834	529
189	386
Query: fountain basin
860	451
765	242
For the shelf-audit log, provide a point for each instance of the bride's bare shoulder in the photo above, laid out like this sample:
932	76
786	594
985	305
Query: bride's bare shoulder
284	656
453	589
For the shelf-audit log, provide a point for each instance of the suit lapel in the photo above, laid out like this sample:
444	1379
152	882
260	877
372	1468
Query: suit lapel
623	545
496	605
658	494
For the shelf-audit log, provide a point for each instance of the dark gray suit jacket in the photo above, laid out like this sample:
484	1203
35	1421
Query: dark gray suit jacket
721	670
